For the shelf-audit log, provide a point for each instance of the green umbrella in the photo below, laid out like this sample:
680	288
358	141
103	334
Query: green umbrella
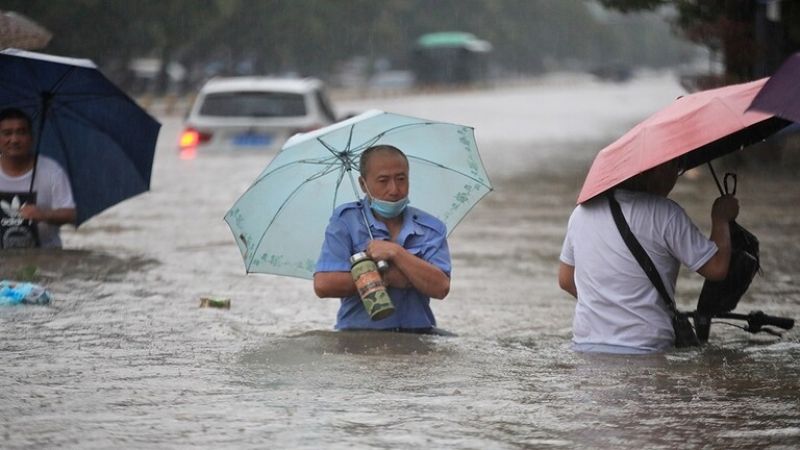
279	222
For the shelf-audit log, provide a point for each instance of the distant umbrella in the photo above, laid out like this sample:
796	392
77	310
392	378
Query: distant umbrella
18	31
781	94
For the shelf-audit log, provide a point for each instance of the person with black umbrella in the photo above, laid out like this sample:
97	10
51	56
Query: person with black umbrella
47	201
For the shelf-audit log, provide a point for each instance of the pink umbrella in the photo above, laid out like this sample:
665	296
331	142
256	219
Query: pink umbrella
698	127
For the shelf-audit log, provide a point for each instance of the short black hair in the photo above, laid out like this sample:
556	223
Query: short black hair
367	154
16	113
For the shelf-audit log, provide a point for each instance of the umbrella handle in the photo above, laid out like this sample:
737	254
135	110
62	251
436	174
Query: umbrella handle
728	176
731	176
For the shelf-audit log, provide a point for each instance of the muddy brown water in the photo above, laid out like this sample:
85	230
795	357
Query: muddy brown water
124	357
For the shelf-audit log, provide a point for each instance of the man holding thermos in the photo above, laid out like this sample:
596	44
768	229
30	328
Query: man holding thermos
411	241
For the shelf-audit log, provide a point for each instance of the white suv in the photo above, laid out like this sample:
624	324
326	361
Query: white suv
255	113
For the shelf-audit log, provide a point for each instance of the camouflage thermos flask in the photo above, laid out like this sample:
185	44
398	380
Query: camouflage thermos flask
370	286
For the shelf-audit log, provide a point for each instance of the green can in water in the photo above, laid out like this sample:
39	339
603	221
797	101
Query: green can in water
214	302
370	286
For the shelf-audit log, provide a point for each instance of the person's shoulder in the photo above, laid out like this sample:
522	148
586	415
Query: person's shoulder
664	203
346	208
645	198
426	219
663	208
48	163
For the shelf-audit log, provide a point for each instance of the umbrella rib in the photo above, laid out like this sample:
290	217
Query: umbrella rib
283	205
328	147
441	166
338	184
324	162
350	137
93	125
67	162
371	141
72	98
62	79
344	155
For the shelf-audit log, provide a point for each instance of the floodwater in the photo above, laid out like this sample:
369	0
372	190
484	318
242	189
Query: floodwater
123	357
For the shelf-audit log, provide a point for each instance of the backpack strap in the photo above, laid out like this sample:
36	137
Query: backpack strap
639	253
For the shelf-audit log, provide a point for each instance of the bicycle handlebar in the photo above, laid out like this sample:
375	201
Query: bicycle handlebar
757	319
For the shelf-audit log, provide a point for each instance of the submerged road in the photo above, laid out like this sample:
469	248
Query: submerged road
124	357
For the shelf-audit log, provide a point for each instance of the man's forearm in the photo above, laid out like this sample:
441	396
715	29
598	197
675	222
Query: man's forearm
334	285
424	276
60	216
566	279
717	267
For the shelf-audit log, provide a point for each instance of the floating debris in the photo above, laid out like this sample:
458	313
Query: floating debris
215	302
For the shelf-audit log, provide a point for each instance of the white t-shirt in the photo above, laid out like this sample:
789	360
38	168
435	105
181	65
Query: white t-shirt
617	304
52	189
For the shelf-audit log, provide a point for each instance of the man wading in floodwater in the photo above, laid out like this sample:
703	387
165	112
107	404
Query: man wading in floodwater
53	205
619	309
413	242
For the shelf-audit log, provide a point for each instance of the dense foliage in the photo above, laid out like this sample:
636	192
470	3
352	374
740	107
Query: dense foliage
316	37
751	39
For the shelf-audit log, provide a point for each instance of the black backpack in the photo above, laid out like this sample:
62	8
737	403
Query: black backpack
723	296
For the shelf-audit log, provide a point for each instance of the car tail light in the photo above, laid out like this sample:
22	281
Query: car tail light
190	138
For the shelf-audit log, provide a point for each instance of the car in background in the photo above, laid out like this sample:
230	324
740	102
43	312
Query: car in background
253	113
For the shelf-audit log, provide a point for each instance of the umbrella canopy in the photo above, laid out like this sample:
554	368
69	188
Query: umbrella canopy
101	137
279	222
698	127
781	94
18	31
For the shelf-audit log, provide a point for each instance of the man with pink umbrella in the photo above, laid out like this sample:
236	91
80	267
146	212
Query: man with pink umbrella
625	289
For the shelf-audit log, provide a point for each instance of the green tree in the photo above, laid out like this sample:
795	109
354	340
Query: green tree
313	37
751	43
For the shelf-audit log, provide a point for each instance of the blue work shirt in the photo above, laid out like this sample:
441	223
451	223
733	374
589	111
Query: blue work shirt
421	235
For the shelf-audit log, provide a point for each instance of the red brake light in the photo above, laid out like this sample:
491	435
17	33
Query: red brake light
191	138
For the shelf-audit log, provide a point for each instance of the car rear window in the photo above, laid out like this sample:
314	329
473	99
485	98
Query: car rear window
253	104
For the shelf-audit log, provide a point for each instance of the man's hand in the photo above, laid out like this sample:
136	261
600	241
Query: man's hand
383	250
725	208
417	273
32	212
53	216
